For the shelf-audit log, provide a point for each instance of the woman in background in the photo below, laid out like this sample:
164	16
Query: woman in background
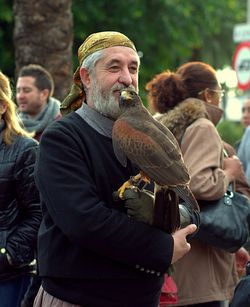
187	102
20	213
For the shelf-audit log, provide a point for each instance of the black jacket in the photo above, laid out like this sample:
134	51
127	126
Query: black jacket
241	296
20	213
86	240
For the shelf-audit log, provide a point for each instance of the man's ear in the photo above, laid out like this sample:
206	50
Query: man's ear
45	94
84	74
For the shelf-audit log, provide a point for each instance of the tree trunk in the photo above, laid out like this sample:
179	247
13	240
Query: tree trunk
43	34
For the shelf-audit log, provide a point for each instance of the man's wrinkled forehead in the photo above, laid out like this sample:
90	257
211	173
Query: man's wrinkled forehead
118	54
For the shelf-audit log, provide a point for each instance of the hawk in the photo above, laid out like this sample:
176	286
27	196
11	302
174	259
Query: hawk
153	148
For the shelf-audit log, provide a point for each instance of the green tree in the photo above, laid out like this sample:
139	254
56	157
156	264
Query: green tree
167	32
230	132
45	37
7	63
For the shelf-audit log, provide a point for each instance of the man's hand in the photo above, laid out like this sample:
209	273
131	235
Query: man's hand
140	205
181	246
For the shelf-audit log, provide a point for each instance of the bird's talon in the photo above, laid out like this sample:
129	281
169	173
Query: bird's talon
123	188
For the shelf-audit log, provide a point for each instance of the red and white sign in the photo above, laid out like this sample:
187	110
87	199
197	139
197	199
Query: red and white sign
241	64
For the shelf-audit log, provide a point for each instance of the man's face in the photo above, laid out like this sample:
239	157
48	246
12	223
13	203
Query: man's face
246	114
29	98
117	70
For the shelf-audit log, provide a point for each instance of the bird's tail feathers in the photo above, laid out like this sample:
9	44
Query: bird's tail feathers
166	211
186	194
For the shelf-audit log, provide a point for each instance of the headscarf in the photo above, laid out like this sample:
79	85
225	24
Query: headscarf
94	42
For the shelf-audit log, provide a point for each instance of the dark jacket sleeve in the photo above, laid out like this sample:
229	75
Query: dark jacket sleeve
68	189
21	243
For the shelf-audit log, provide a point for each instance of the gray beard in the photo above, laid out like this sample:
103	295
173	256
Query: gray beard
106	103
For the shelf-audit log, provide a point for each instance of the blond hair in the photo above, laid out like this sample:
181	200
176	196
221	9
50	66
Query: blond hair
12	122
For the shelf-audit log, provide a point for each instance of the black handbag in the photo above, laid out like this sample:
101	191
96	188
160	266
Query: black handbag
224	223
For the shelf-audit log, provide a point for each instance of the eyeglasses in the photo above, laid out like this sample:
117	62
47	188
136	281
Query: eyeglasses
220	92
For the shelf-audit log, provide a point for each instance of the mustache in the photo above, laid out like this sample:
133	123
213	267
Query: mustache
120	87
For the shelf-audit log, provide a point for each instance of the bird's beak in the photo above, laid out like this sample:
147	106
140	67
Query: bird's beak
125	96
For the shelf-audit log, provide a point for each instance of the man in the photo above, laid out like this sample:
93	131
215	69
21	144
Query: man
245	119
244	153
242	146
90	252
37	109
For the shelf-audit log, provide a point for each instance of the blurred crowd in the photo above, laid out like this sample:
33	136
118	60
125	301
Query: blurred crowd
64	239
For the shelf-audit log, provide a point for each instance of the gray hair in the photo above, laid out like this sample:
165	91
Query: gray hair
90	61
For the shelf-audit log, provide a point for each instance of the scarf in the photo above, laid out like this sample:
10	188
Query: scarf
96	120
43	119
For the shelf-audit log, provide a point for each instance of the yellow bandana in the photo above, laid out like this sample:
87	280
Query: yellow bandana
93	43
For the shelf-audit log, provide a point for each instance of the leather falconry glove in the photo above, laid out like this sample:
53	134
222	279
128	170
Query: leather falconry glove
139	204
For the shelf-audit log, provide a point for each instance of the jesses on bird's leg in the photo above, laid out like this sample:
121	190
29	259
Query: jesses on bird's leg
134	181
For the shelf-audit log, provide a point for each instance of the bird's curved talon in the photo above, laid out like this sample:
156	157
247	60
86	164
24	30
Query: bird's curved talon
132	183
122	189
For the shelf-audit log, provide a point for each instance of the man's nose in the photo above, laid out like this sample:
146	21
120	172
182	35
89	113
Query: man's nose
20	94
125	77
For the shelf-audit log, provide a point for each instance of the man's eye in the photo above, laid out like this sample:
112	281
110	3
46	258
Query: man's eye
114	68
133	70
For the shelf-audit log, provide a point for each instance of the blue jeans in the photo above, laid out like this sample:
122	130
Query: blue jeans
12	291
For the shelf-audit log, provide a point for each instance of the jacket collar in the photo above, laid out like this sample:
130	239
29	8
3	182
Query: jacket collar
186	112
214	113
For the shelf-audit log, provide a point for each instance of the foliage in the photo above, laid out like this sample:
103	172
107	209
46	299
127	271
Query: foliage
166	32
230	132
7	63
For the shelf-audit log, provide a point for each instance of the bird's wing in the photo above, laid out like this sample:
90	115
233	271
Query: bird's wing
152	151
154	126
119	153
